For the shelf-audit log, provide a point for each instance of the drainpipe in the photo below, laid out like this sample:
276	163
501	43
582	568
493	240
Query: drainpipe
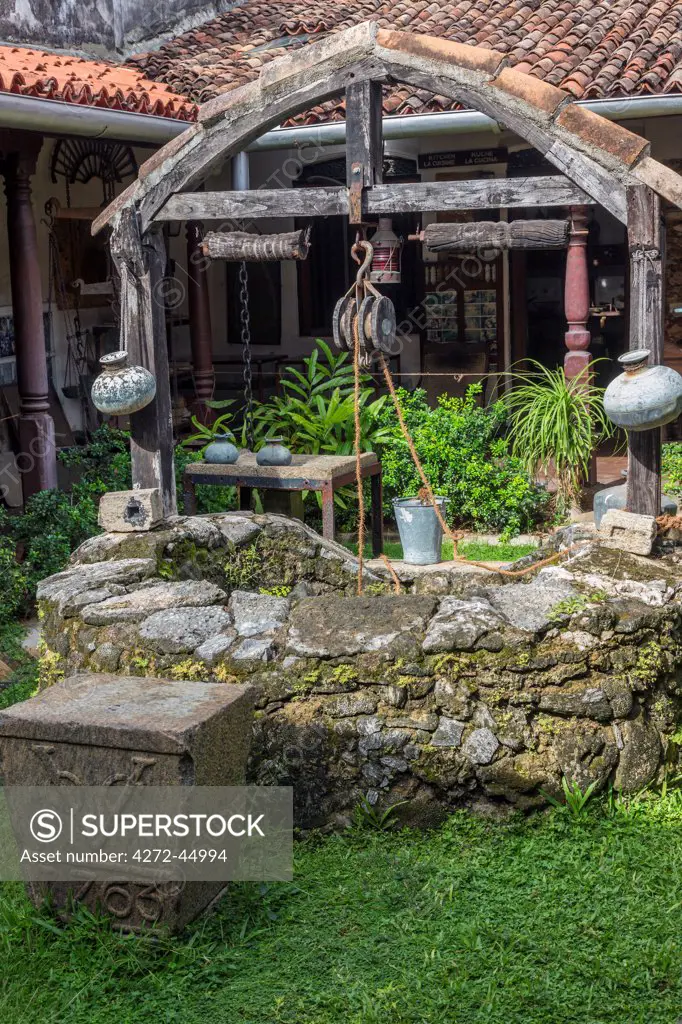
54	117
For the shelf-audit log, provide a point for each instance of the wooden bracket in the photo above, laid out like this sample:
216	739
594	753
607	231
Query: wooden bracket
355	194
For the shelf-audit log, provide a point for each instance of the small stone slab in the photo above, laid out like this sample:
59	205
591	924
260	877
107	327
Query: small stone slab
448	734
144	602
130	511
335	627
459	624
257	613
529	606
587	702
64	588
349	704
213	649
182	630
628	531
480	746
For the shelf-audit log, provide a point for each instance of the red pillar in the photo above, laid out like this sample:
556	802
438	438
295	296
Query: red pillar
201	338
577	295
37	460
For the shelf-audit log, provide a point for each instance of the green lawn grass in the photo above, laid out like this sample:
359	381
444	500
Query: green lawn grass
472	550
544	920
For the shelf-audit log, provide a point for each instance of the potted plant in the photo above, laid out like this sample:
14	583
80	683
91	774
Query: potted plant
555	424
420	529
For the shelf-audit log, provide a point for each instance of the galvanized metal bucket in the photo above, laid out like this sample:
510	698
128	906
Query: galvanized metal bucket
421	533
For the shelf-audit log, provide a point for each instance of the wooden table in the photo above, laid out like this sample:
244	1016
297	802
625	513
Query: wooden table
325	473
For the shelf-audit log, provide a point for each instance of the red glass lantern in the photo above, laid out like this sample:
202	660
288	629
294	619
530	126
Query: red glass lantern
386	260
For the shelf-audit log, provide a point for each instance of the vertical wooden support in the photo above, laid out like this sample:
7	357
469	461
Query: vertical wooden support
37	460
646	331
577	296
364	142
201	339
141	263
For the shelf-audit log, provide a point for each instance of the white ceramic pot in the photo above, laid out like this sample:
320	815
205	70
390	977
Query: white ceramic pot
643	397
121	389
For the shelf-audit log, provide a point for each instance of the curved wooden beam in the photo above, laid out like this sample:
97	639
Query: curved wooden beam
601	157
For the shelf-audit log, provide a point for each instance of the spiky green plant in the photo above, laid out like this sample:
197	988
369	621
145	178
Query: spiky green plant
555	425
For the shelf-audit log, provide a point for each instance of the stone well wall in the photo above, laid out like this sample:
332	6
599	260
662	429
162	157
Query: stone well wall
481	691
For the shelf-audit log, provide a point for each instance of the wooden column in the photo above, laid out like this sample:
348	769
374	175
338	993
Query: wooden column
646	331
364	143
37	460
201	338
141	262
577	295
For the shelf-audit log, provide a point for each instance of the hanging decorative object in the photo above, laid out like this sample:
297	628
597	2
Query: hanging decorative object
643	397
84	159
274	453
121	389
387	250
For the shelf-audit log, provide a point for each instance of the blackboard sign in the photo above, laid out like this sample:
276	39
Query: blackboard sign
463	158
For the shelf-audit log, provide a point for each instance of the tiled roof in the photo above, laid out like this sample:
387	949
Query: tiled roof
591	48
58	76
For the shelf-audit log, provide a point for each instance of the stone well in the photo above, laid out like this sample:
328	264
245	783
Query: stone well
467	689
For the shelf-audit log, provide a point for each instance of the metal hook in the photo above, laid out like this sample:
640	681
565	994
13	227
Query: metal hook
364	264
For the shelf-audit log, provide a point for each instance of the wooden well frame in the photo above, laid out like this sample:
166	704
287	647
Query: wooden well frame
598	162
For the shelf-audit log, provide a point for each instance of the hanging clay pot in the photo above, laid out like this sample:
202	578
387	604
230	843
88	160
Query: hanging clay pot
274	453
121	389
643	397
221	451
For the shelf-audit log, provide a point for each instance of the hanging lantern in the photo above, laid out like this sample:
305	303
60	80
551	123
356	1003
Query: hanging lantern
386	259
121	389
643	397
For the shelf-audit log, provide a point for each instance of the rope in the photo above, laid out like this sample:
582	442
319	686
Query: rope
454	537
358	443
397	586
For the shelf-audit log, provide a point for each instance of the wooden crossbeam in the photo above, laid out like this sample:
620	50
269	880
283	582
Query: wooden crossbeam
420	197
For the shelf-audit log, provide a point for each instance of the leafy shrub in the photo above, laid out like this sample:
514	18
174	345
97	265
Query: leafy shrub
672	468
39	542
466	459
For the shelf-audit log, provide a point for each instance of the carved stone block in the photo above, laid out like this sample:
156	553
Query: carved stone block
628	531
130	511
107	730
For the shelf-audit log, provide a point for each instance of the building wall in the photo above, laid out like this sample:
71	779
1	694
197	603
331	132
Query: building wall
105	27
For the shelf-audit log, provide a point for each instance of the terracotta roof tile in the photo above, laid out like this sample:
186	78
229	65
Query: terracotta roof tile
59	76
591	48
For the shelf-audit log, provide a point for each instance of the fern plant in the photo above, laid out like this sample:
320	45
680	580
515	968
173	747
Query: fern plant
315	412
555	425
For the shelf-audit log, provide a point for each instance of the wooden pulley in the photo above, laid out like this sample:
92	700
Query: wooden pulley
383	325
342	323
366	336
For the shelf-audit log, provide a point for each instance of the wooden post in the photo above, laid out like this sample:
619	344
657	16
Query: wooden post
577	296
37	460
646	331
141	262
364	143
201	338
